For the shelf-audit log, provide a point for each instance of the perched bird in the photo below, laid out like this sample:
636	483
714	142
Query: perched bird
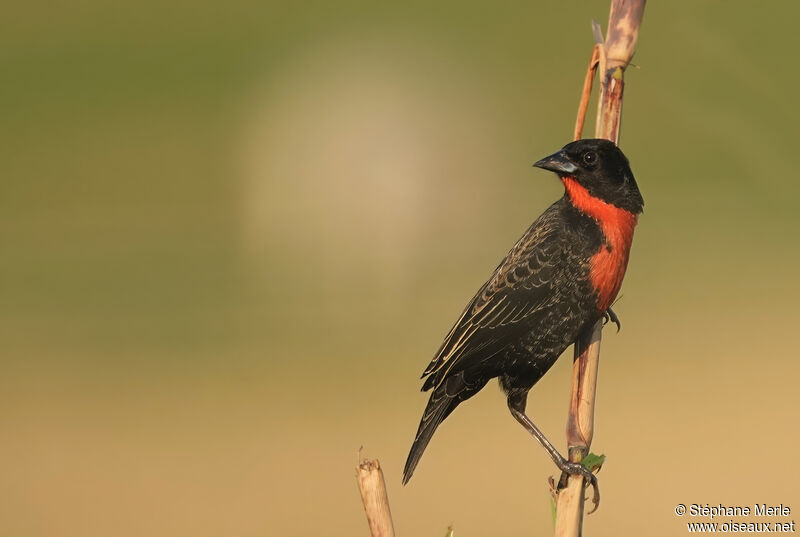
555	283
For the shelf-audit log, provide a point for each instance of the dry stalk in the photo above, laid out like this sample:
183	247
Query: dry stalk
375	499
610	56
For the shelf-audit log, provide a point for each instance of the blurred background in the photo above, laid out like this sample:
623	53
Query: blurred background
233	237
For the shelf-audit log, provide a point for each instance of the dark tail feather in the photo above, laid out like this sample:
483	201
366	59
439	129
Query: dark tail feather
439	407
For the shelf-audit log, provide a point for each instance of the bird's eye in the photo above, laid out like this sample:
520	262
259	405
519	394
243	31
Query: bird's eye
590	158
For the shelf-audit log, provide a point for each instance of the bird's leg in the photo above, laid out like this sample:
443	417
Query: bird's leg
609	315
516	403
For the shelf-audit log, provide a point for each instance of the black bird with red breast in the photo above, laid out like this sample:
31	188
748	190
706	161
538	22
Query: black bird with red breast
557	281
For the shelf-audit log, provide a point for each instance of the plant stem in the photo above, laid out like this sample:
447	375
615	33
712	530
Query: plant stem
610	56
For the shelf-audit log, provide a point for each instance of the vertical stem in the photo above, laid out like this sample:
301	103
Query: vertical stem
613	56
620	44
580	421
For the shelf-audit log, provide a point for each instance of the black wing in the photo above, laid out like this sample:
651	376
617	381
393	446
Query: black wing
536	275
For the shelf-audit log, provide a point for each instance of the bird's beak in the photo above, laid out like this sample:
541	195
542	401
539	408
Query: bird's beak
557	162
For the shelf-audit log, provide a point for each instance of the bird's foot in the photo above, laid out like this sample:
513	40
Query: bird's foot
609	315
576	468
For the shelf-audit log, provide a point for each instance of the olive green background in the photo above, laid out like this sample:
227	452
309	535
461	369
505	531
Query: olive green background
234	234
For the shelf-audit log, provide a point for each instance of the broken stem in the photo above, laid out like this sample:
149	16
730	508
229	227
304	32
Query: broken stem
375	499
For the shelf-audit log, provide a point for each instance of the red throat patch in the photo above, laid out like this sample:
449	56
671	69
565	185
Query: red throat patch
608	264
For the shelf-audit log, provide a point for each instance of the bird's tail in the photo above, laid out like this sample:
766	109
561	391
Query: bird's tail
440	405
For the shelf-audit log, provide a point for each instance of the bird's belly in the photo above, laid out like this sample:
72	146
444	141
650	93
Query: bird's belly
527	361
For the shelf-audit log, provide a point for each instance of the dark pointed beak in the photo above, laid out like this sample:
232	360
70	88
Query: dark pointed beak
557	162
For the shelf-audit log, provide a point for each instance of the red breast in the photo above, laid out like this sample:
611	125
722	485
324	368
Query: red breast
608	264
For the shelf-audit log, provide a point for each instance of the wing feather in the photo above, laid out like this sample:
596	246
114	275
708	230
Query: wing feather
529	280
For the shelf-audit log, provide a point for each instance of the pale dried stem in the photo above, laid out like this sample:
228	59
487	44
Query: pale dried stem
613	56
580	420
375	499
618	49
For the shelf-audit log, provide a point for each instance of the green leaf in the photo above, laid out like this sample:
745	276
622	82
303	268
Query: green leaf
449	532
553	510
593	462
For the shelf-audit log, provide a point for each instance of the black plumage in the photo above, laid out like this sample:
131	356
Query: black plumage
538	301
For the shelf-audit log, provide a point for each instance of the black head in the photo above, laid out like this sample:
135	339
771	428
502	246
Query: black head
601	168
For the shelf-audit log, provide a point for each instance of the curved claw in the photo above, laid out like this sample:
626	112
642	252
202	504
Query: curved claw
576	468
595	494
609	315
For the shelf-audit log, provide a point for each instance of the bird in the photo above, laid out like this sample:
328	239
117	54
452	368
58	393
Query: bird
555	283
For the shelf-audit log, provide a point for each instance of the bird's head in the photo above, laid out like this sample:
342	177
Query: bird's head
601	168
